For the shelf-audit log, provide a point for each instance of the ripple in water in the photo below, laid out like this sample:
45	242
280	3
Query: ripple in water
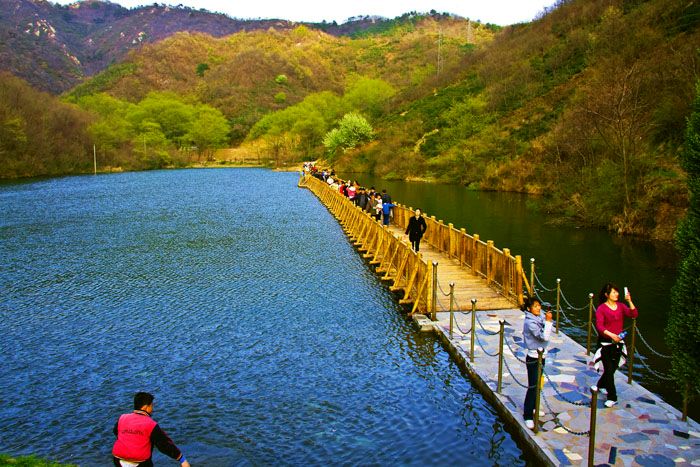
235	298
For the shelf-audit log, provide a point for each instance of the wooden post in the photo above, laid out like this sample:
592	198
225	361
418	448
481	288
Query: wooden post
489	266
473	331
399	272
536	417
507	277
450	242
452	306
416	302
591	430
590	323
630	351
463	253
475	255
532	275
558	302
433	294
502	323
519	278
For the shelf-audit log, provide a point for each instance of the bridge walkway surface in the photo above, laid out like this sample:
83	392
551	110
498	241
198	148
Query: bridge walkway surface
467	285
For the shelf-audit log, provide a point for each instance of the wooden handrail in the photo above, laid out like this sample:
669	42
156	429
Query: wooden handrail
501	270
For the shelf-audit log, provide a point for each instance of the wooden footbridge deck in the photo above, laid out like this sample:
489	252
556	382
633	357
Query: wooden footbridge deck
477	269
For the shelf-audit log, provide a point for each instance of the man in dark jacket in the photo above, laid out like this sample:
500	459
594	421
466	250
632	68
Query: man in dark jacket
137	433
415	230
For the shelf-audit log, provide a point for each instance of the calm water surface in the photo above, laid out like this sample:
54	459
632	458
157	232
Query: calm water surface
235	298
582	258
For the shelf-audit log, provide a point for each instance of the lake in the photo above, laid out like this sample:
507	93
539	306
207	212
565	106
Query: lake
236	299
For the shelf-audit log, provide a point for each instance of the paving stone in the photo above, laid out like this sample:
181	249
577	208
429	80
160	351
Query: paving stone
642	427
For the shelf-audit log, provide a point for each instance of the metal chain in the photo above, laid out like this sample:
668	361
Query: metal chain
654	373
512	352
570	305
456	322
478	341
490	333
566	318
505	360
554	386
446	294
539	297
649	346
560	424
542	285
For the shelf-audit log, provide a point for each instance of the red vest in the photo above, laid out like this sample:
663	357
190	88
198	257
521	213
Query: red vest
134	437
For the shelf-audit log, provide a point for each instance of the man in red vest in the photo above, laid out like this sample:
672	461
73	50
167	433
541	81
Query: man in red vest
137	433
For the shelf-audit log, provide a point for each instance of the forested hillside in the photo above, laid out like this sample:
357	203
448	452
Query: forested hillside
585	106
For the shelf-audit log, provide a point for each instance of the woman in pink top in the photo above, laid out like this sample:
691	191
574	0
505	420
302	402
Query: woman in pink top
609	321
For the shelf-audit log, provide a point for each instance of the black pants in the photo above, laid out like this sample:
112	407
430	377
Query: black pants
531	394
610	355
415	244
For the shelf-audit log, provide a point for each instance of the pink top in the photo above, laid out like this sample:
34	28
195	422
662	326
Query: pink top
612	320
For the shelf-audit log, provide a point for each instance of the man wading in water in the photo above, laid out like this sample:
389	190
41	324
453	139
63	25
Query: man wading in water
137	433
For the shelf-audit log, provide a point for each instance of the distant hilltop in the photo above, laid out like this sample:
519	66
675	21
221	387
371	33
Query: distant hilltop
54	47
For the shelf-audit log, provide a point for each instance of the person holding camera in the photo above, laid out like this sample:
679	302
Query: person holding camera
536	332
609	322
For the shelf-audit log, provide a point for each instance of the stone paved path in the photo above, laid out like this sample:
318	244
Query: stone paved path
641	430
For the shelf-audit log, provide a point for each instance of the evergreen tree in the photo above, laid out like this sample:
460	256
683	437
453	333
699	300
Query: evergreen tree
683	330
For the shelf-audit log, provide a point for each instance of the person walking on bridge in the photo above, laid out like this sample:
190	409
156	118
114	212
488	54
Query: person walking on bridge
416	229
609	322
137	433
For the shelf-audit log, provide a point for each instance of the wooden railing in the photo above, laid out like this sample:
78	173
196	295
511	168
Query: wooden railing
396	261
499	268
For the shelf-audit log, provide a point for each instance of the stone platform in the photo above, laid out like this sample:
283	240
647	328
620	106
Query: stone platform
642	430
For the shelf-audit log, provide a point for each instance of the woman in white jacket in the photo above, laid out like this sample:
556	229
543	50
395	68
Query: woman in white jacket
536	331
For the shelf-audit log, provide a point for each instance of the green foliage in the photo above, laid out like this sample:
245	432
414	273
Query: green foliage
280	97
103	81
683	329
281	79
352	130
368	95
29	461
201	68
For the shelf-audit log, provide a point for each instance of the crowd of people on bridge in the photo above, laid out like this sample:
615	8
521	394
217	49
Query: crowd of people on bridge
378	204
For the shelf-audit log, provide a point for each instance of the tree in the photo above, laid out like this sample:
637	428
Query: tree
683	330
352	130
209	130
368	95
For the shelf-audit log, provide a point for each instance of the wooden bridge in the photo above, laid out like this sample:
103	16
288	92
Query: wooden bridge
478	269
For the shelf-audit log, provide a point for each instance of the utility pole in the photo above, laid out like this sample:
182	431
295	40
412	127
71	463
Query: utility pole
439	61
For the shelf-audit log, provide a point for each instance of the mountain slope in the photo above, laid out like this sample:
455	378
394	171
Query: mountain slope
54	47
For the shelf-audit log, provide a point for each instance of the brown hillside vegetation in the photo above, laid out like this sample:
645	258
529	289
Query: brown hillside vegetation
39	134
586	105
